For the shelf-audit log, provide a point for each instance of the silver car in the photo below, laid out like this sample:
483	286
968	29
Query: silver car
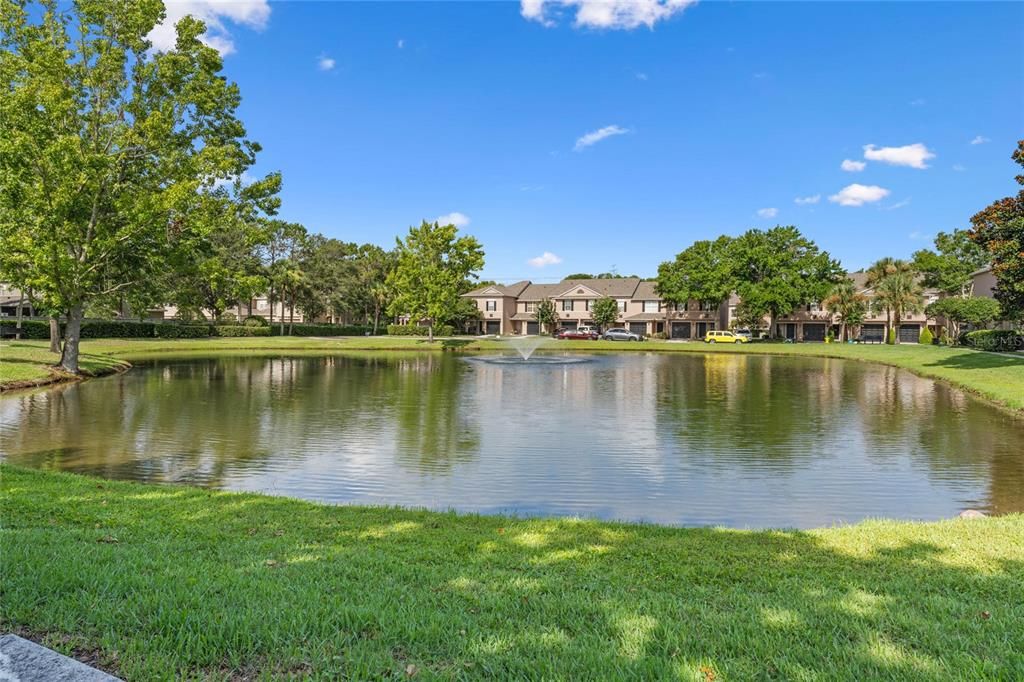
620	334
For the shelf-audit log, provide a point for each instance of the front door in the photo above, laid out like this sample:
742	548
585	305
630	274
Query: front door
681	330
702	330
789	331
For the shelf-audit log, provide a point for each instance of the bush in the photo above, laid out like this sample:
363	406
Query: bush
256	321
994	339
240	330
30	329
321	330
184	331
943	337
419	330
659	335
926	336
890	338
117	329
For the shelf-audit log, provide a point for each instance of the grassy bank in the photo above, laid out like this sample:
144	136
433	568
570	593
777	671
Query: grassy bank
998	378
156	582
28	363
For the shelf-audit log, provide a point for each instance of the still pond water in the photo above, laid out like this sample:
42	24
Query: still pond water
677	439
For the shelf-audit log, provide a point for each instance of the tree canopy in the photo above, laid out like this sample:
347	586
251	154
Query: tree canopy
109	151
999	229
434	267
948	268
705	272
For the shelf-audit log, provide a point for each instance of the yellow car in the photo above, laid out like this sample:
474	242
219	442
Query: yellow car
724	337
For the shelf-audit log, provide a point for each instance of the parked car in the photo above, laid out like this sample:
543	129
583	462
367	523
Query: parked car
745	333
578	334
724	337
588	328
620	334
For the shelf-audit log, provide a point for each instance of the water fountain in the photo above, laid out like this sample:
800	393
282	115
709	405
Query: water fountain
525	346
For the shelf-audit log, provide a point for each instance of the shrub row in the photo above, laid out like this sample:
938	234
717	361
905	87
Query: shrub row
30	329
994	339
321	330
419	330
240	330
117	329
184	331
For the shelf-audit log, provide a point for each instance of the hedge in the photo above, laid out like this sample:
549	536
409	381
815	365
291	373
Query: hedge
321	330
117	329
183	331
30	329
926	337
418	330
994	339
240	330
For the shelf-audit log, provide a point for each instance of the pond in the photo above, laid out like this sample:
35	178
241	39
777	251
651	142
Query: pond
682	439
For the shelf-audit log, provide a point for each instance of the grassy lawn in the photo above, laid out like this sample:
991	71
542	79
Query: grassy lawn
31	362
999	378
159	582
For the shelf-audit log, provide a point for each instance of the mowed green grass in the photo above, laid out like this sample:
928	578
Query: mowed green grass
32	361
996	377
155	582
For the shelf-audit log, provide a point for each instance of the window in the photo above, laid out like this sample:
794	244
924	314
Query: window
491	306
622	306
530	307
709	307
650	306
586	305
814	307
567	304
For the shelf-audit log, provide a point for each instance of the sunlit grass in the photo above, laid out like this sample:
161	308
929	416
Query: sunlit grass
163	582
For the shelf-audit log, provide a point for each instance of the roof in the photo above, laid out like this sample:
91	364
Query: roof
538	292
524	317
645	317
498	290
645	292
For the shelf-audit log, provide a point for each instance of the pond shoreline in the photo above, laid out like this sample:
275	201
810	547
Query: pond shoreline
1002	387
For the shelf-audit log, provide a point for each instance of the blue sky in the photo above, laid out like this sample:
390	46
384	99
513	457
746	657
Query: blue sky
703	120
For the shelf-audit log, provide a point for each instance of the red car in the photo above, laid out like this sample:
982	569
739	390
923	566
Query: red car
585	335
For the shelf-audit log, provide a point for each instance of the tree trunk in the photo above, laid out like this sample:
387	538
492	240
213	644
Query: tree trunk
376	318
888	325
72	333
270	302
291	314
895	327
21	303
430	332
54	334
771	325
842	332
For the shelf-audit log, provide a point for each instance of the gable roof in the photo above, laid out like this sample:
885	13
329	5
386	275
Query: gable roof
645	292
498	290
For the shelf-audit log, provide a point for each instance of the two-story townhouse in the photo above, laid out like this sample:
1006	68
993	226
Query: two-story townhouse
692	320
497	305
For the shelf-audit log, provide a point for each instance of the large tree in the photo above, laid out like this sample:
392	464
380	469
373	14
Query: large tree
779	269
999	229
705	272
948	268
434	267
899	292
107	147
547	315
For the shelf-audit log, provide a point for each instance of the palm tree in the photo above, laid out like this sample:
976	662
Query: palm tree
899	292
878	271
848	304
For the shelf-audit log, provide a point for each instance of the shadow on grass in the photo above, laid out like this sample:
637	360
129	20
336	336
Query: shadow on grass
172	579
978	360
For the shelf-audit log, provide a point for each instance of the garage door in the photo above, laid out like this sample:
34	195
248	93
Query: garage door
638	328
493	326
680	330
570	324
532	328
814	332
873	332
910	333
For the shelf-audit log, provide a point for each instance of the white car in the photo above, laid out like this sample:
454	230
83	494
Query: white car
745	333
587	329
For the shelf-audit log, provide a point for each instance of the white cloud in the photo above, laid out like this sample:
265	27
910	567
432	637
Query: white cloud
852	166
325	63
767	212
401	43
803	201
858	195
251	13
595	136
980	139
545	259
913	155
606	14
641	76
959	168
898	204
454	218
919	102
